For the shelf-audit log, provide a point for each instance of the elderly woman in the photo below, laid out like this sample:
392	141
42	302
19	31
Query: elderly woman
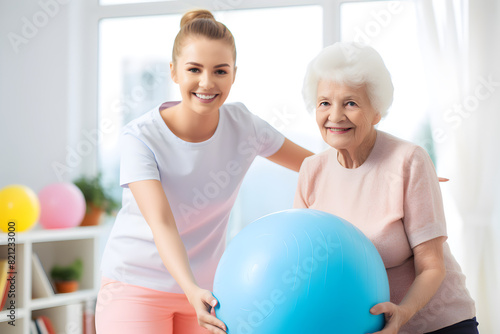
386	187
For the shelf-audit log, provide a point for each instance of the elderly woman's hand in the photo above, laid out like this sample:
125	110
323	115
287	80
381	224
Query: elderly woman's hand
395	316
430	271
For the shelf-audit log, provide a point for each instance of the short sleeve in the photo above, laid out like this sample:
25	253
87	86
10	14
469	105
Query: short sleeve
424	217
270	140
137	161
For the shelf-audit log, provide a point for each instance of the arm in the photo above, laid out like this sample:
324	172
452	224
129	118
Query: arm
290	155
429	273
155	208
300	201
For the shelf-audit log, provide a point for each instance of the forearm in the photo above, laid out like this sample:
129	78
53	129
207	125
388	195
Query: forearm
155	209
424	287
174	256
290	155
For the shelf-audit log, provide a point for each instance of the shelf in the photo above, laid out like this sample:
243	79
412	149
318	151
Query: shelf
43	235
62	299
52	246
20	313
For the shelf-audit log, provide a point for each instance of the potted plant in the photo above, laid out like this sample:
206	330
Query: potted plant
97	198
66	278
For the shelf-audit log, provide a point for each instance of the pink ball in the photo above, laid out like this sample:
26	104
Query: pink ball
62	205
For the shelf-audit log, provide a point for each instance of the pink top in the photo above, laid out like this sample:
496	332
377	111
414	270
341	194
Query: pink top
395	199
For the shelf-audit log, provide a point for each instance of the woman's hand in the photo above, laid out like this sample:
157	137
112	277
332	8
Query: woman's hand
395	317
429	273
204	302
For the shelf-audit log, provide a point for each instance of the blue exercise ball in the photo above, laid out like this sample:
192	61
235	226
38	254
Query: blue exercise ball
300	271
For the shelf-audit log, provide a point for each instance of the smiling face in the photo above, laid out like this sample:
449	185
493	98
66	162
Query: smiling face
345	116
205	72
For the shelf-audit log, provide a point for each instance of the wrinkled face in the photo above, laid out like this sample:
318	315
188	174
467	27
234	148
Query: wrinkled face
344	114
205	72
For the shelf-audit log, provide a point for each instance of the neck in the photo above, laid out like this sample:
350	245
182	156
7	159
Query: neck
353	157
189	125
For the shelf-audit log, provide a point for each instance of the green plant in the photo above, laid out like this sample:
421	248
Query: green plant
73	272
95	194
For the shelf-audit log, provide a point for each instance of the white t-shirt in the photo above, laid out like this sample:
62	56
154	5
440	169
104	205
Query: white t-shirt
201	181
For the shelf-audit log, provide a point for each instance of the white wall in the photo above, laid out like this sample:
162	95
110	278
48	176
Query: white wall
33	94
39	109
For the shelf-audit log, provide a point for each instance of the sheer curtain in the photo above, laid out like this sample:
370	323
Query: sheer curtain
461	50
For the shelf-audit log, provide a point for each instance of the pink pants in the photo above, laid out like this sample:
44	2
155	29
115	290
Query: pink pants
129	309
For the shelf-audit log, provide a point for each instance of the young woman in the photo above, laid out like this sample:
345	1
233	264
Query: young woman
181	167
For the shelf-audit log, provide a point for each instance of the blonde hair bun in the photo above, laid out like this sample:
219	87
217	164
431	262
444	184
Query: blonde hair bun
196	14
201	23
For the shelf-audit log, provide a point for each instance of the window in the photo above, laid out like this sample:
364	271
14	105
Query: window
133	78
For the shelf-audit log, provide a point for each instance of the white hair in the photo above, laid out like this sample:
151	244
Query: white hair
352	64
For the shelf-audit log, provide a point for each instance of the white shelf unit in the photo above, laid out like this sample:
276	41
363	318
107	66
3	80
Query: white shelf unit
61	246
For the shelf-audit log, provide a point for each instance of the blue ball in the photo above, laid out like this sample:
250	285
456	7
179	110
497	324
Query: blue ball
300	271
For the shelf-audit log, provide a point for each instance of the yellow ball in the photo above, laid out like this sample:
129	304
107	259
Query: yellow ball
19	208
